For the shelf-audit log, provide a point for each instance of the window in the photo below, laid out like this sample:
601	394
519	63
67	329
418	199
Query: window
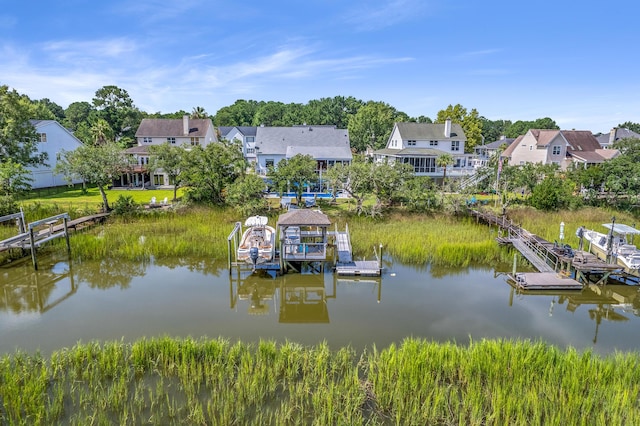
530	147
172	141
433	143
251	139
421	164
411	143
556	150
268	163
158	179
195	141
251	150
42	137
58	156
455	145
147	140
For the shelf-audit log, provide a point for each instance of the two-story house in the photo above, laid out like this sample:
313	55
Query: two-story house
606	140
420	144
485	151
561	147
328	145
247	137
52	139
186	132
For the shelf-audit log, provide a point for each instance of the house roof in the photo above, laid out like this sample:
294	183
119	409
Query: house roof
614	135
138	149
173	127
276	140
245	130
41	123
497	144
429	131
580	140
509	150
303	217
321	152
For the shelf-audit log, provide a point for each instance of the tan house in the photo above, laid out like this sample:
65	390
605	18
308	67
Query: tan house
561	147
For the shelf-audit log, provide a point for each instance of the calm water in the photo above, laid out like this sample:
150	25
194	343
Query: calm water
64	303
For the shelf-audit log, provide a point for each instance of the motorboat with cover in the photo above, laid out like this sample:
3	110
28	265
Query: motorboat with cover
614	246
257	243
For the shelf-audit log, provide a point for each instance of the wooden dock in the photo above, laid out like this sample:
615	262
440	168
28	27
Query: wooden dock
555	263
544	281
370	268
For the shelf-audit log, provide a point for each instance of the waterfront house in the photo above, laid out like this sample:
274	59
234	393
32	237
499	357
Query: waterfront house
186	132
484	152
420	144
52	139
327	145
246	135
561	147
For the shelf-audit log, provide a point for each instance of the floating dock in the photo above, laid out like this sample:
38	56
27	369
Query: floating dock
544	281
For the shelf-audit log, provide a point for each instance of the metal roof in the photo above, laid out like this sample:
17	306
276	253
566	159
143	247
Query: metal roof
620	228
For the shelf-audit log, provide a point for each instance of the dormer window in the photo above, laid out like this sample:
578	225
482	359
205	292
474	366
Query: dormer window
171	141
433	143
411	143
146	140
556	150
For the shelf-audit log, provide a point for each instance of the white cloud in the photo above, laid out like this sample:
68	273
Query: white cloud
370	16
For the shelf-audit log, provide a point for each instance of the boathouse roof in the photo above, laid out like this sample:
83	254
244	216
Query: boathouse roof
304	218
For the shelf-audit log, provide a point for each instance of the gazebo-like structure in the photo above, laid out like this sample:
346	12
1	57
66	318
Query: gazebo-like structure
303	235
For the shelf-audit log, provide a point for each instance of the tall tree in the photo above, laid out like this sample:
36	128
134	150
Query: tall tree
168	158
76	113
355	179
241	113
331	111
199	112
207	171
294	173
372	125
521	127
116	107
101	132
469	121
95	164
54	108
492	130
17	135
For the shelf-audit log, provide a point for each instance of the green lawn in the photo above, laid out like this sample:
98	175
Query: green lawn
76	196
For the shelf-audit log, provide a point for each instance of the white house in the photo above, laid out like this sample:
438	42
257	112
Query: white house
420	144
326	144
52	139
186	132
561	147
247	137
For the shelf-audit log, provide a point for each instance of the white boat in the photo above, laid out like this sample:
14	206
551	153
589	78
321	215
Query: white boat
257	243
614	246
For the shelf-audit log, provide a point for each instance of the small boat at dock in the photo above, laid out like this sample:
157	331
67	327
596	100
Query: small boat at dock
258	241
615	247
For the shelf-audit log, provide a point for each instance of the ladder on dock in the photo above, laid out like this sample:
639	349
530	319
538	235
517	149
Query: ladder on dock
345	265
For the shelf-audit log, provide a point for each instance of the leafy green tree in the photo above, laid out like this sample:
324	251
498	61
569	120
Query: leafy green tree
634	127
493	130
56	110
387	182
444	160
246	195
14	178
294	173
521	127
469	121
331	111
241	113
355	179
372	125
101	132
116	107
207	171
76	113
419	194
17	135
270	114
552	193
169	159
94	164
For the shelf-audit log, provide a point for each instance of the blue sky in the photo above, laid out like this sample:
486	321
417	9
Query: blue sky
576	63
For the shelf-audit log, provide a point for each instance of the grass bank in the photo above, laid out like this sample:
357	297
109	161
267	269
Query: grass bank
168	381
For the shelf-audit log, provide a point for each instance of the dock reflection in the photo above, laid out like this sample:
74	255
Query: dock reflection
24	289
615	303
293	298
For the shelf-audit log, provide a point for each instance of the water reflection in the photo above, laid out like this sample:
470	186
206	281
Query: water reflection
25	290
294	298
614	303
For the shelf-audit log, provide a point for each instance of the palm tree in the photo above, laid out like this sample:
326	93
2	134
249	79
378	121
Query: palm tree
101	132
199	112
444	160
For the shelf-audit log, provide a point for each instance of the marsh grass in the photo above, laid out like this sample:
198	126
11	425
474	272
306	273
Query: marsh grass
169	381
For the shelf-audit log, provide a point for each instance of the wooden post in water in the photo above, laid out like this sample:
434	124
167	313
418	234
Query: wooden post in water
33	249
380	258
66	234
515	263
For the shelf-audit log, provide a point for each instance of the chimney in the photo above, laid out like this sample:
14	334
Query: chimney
612	136
447	128
185	124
